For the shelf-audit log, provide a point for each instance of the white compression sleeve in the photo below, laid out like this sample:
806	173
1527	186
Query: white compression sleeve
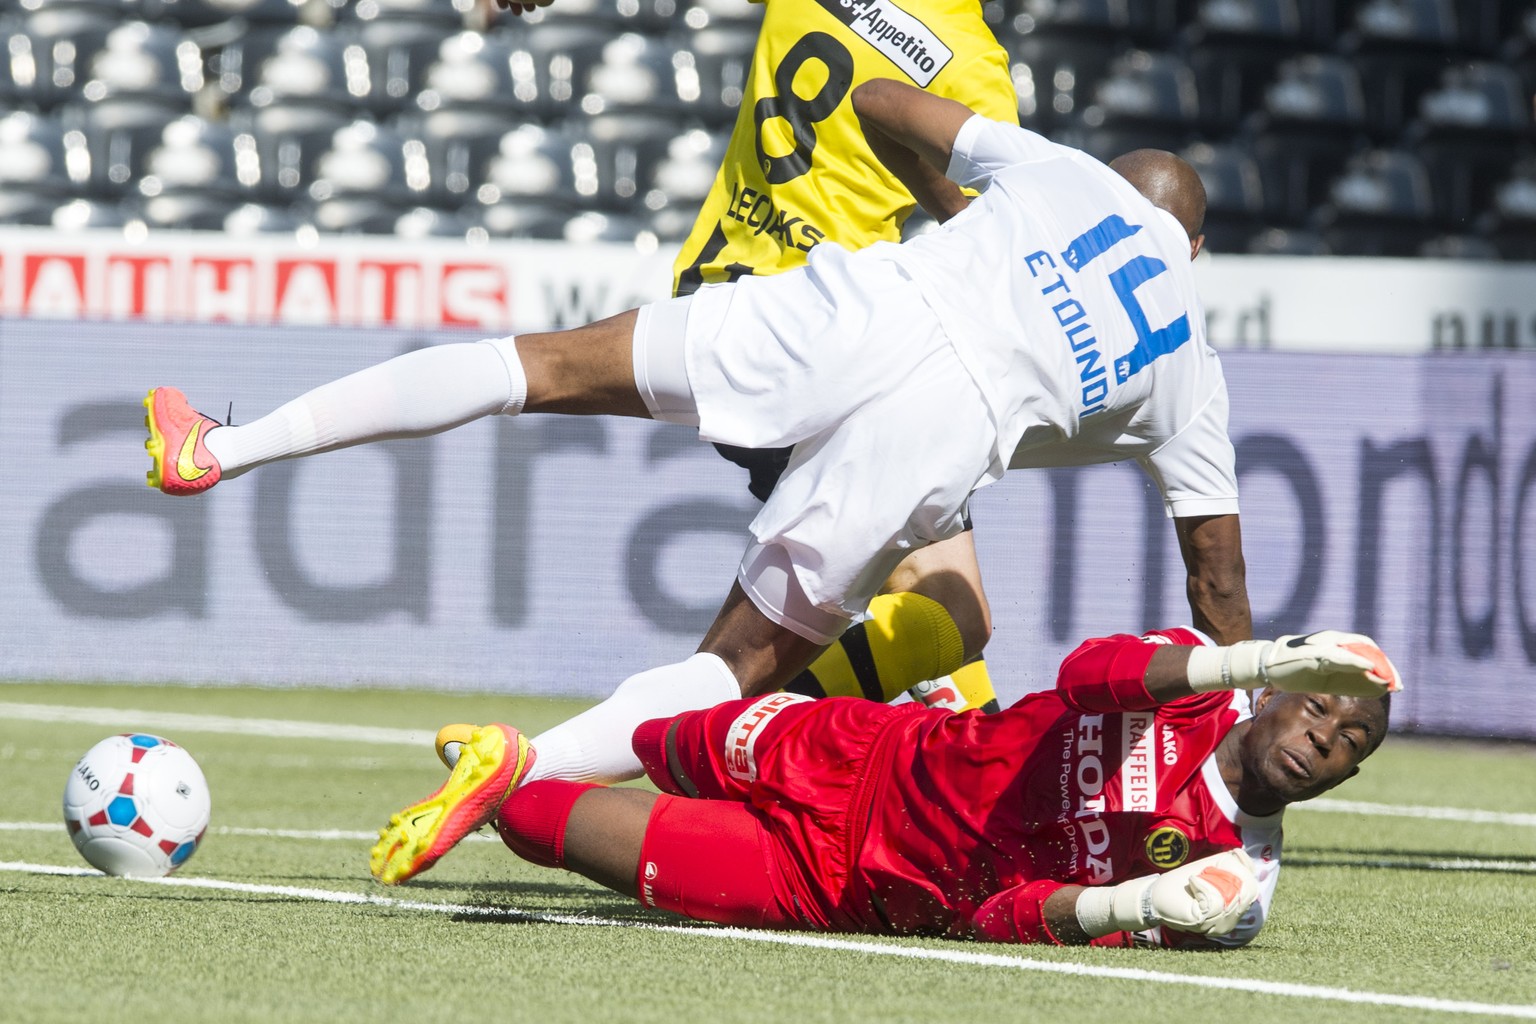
596	745
660	366
413	395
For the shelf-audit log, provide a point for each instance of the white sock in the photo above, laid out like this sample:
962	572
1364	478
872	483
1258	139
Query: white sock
596	746
413	395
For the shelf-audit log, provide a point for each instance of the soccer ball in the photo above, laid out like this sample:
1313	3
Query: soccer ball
136	805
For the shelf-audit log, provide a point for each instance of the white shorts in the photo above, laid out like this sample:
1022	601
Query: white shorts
891	432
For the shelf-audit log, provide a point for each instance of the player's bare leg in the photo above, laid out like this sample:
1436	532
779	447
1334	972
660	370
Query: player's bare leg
923	634
762	654
604	834
585	371
948	572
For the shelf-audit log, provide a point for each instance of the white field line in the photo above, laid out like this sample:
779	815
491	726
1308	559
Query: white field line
127	720
260	833
1331	806
123	720
966	957
354	836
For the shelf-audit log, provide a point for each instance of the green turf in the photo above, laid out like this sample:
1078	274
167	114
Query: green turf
1359	904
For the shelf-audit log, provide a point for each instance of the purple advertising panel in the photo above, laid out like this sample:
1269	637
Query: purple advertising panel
1391	495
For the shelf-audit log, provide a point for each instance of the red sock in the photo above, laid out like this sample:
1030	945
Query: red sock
532	820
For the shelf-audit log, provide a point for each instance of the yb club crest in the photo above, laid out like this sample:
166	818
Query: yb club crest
1167	847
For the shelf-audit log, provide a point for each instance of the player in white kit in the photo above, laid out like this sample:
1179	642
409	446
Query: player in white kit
1053	322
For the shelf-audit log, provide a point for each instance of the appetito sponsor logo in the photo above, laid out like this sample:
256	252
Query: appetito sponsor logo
741	737
186	282
904	39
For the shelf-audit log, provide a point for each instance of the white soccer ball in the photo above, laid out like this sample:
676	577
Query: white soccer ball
136	805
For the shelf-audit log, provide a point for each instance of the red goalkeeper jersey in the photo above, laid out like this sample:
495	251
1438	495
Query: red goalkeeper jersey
981	817
910	820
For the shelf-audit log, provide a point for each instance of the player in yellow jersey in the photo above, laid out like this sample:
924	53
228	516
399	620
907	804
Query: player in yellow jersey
797	171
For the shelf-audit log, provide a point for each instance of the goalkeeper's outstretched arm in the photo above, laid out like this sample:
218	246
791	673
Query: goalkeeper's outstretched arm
1130	673
1204	898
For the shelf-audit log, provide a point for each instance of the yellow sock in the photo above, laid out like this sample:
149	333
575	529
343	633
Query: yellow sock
975	685
906	639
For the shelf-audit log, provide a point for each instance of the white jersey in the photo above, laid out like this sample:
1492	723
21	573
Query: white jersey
1053	323
1070	299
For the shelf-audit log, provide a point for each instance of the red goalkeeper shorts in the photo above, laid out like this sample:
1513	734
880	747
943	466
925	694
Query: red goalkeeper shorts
802	768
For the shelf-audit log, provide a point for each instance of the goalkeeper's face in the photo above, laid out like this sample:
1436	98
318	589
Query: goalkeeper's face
1301	745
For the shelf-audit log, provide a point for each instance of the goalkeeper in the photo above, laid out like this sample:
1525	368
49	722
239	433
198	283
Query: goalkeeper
1138	802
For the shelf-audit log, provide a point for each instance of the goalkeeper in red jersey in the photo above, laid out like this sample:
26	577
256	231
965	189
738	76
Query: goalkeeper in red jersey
1138	802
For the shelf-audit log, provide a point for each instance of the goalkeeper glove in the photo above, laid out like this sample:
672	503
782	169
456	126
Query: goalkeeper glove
1346	664
1208	896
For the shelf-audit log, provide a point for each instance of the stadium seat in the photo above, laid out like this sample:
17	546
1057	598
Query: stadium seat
1510	221
1459	247
478	87
50	48
1468	131
232	58
1288	242
203	13
680	181
90	215
606	16
423	222
700	14
398	53
310	67
366	179
1234	194
1140	21
1379	206
301	99
1146	100
515	71
1518	46
721	54
614	158
1311	120
1399	47
447	16
518	218
37	173
1485	24
192	178
460	142
596	226
141	79
250	219
645	75
532	164
1059	52
1234	46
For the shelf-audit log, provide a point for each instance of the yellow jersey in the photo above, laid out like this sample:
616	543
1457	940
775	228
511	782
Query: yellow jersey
797	169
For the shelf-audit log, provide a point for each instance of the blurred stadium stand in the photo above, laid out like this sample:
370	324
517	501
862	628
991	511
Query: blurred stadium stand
1350	127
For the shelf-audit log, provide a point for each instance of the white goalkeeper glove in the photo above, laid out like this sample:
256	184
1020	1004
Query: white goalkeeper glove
1208	896
1346	664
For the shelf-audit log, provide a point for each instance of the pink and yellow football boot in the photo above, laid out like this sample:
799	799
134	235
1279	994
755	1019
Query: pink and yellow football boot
492	760
182	463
